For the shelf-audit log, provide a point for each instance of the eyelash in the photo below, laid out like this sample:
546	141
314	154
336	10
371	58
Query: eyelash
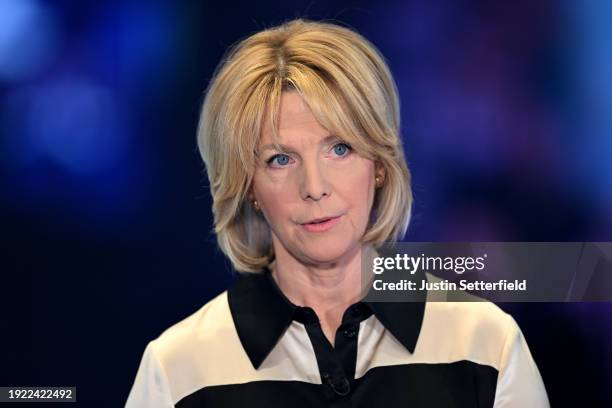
348	147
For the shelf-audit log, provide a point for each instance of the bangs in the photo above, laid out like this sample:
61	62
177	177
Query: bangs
329	105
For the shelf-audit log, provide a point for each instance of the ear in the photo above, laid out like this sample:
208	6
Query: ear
250	194
379	170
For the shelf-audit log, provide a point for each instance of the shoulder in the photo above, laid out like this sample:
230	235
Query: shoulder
477	331
474	316
200	350
202	343
197	328
480	332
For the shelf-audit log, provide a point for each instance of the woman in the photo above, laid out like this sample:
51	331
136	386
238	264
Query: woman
300	136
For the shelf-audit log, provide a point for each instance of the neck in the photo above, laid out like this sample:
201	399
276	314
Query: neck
328	289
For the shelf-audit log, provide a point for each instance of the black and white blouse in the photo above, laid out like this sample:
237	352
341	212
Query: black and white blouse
251	347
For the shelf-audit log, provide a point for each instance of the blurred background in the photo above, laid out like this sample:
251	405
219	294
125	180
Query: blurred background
104	205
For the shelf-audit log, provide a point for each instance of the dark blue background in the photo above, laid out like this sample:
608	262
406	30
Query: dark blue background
105	210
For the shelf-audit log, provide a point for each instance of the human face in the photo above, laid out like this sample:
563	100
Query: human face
316	176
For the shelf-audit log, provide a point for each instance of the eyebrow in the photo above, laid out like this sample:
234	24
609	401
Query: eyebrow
285	148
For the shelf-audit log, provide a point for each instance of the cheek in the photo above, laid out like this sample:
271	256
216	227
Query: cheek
360	187
357	189
274	197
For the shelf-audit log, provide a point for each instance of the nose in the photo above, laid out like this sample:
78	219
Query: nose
313	184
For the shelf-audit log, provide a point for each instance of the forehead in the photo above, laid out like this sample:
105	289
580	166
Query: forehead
294	118
294	111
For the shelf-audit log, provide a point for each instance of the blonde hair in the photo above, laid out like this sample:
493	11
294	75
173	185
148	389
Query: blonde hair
349	88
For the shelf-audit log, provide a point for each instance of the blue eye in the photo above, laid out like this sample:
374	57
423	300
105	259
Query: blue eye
279	159
341	149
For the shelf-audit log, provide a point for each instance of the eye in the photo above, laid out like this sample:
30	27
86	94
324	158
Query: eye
278	160
342	149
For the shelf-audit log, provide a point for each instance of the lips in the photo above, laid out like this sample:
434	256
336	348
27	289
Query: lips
318	220
321	224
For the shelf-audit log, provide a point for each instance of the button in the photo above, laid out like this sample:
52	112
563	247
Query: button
350	333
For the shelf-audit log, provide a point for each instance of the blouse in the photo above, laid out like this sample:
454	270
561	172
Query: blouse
251	347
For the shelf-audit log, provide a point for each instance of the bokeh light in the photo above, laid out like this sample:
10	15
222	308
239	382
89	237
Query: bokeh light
29	38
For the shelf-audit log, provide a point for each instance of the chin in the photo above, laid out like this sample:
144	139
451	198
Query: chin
327	252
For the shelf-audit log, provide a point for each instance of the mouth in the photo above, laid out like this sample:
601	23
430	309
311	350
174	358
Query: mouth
321	224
